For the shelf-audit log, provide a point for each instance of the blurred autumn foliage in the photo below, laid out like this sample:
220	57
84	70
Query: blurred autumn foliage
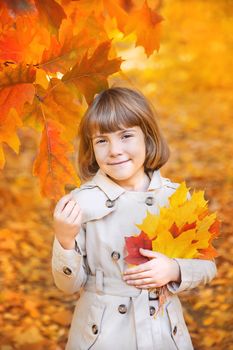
54	57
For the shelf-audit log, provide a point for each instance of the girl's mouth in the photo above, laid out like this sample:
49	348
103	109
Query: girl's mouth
118	163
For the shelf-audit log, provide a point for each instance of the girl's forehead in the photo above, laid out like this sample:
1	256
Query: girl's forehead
108	121
98	131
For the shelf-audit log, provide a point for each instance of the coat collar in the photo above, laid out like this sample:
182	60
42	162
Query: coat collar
113	190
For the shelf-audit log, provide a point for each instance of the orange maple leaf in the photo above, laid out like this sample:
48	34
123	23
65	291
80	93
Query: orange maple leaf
8	126
52	165
61	56
57	103
24	40
5	19
90	75
146	23
115	9
16	87
50	14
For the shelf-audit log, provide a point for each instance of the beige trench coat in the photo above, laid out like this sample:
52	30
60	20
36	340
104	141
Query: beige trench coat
109	313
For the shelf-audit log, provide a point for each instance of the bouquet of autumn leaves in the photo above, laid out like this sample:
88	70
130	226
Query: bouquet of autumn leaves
183	229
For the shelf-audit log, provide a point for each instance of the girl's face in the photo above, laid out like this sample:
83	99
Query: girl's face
121	155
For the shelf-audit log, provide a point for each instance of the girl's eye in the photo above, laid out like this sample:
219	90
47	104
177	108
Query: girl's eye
126	136
100	141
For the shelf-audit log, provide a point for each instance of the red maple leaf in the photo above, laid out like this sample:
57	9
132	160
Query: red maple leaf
133	244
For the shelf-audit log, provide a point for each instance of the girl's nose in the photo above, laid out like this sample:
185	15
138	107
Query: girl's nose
115	149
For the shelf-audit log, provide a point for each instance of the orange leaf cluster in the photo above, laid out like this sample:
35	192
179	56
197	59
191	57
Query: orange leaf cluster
184	229
54	57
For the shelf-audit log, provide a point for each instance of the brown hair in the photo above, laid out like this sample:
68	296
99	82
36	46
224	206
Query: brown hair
111	110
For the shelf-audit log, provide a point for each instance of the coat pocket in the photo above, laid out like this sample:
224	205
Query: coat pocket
179	331
92	326
86	325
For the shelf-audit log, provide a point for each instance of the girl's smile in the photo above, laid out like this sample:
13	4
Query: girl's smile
119	163
121	156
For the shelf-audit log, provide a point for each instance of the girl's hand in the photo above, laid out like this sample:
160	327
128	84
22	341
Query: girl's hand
157	272
67	221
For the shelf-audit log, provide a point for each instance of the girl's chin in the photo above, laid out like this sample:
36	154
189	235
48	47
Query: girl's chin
119	177
120	173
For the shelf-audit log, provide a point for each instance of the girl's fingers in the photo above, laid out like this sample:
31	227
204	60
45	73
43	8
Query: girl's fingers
76	212
135	276
149	253
62	203
138	269
68	209
78	218
140	282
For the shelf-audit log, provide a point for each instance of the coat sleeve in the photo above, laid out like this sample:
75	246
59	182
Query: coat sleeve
69	267
193	272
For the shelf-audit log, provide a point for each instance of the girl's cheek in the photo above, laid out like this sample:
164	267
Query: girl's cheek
100	153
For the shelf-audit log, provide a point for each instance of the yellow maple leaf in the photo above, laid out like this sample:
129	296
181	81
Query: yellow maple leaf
179	196
178	247
203	235
183	228
149	225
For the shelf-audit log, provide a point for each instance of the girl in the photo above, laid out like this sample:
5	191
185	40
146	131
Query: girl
120	153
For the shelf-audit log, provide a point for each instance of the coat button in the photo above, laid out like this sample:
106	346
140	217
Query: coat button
174	330
122	309
94	329
115	255
149	201
67	270
154	295
152	310
109	203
